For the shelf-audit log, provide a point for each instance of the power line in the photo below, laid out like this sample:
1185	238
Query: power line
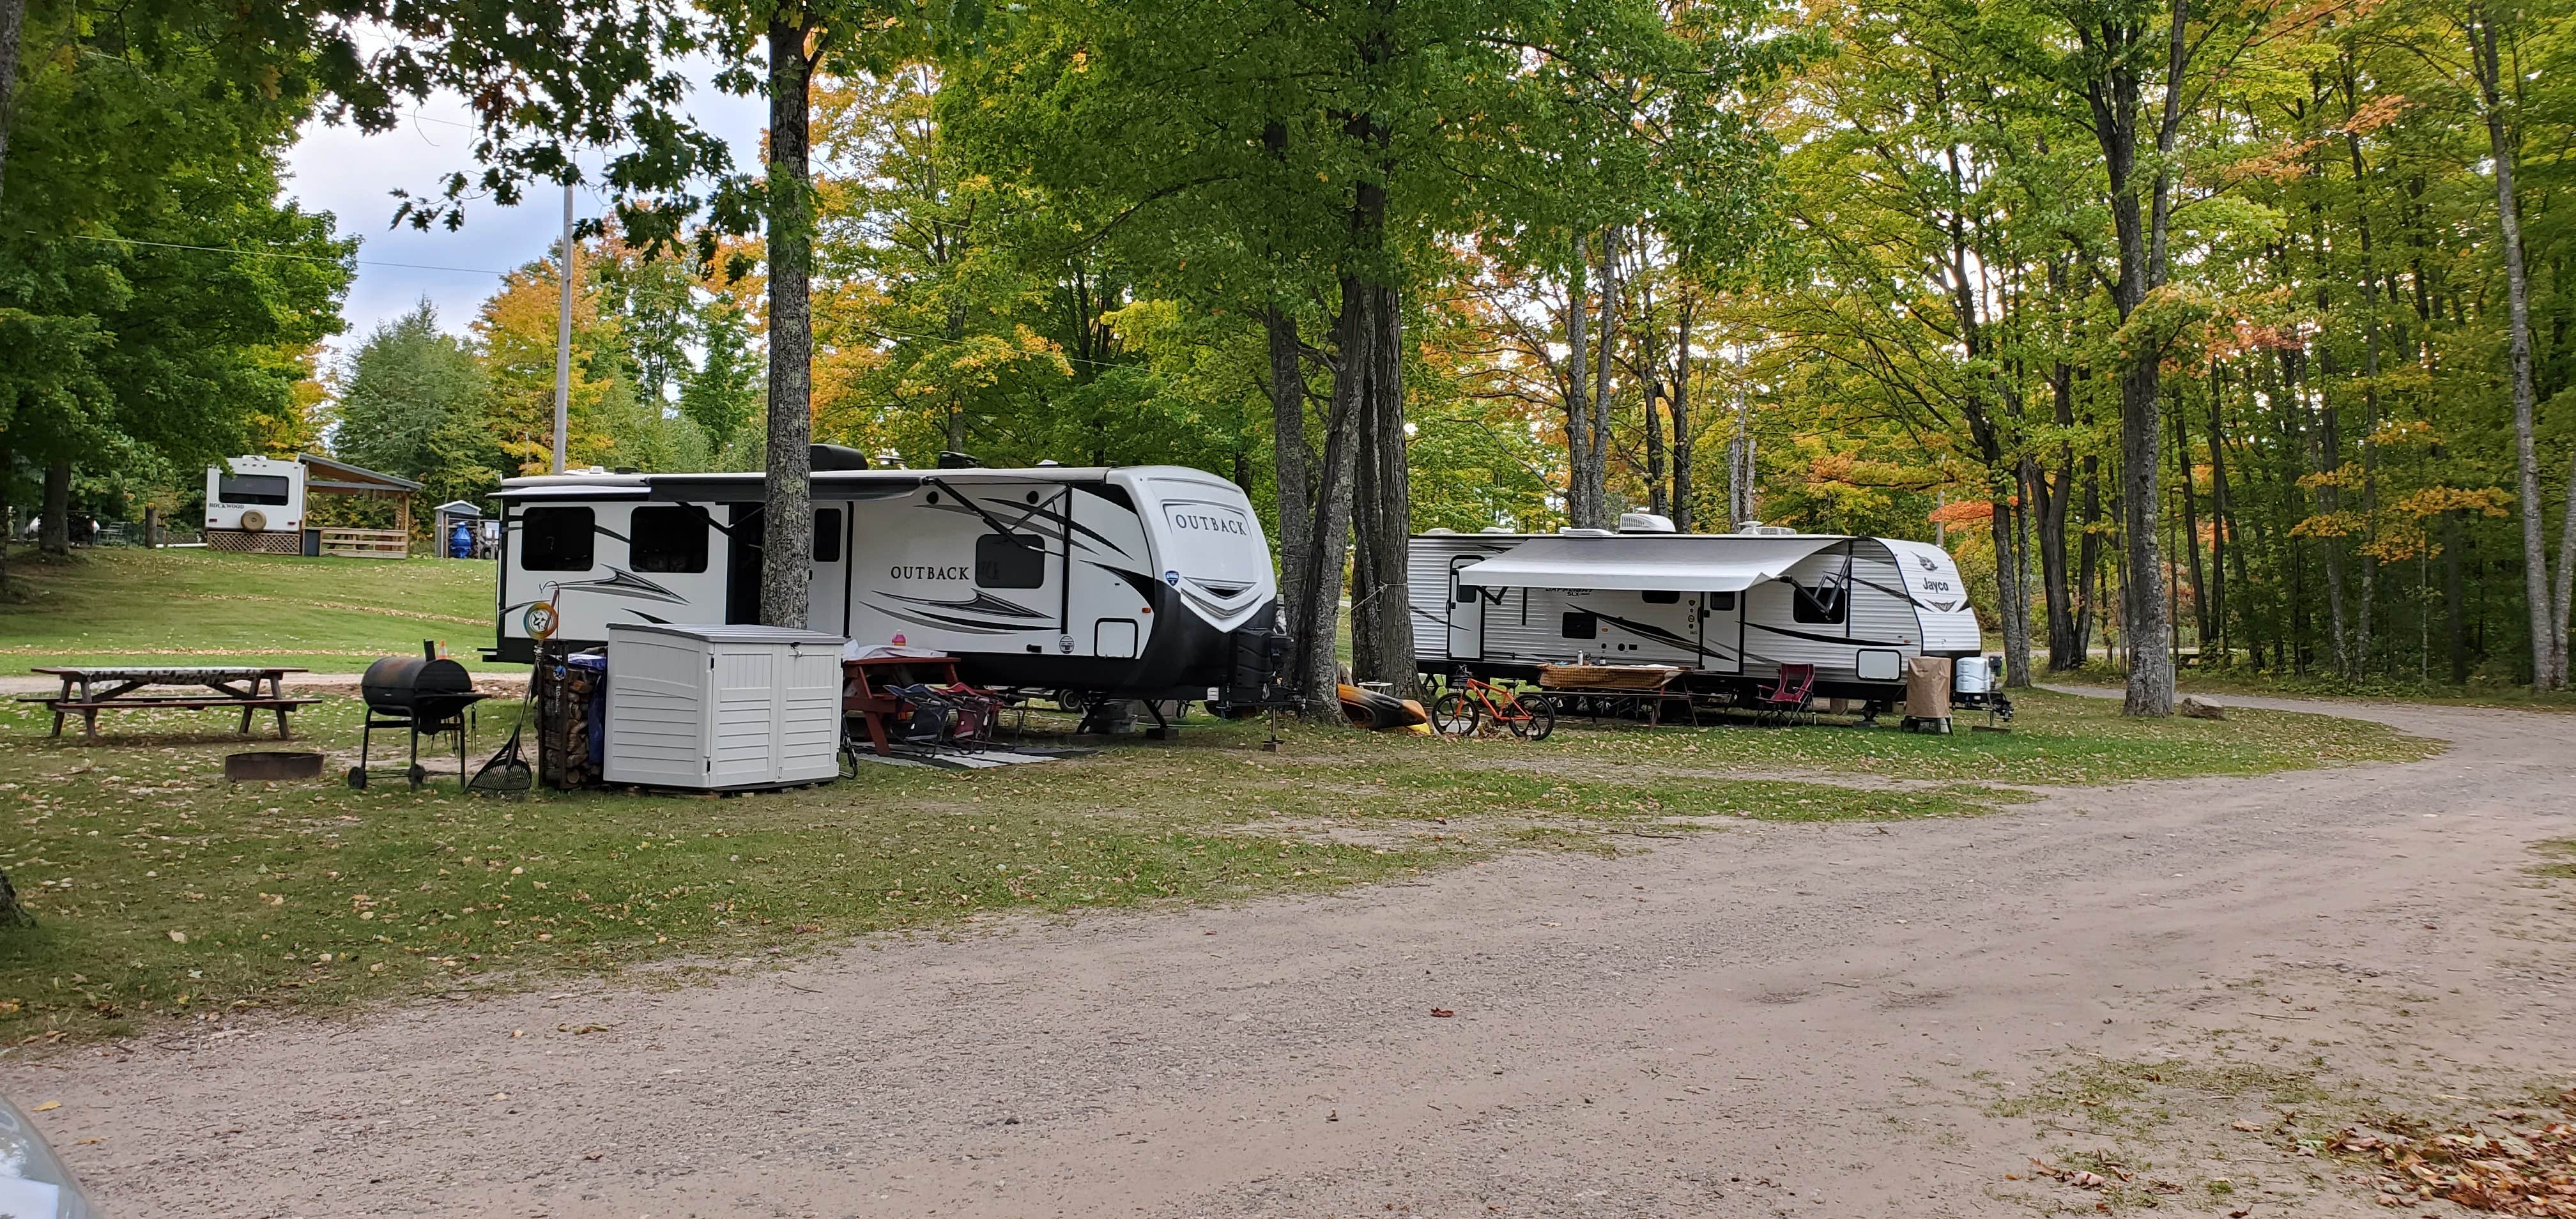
216	249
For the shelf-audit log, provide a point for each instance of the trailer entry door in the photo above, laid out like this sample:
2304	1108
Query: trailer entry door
1467	611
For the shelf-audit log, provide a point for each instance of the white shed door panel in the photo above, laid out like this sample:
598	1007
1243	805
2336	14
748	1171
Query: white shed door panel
746	714
809	729
656	732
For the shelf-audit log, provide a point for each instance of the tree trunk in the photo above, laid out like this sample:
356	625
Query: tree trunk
2065	647
1655	501
1291	460
1383	510
1680	401
2369	382
2455	627
2141	225
2221	524
2545	634
1578	377
2191	530
13	16
54	533
1318	665
787	517
1601	362
2008	590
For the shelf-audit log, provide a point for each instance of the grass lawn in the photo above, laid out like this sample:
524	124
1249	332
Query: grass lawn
121	605
2221	682
162	894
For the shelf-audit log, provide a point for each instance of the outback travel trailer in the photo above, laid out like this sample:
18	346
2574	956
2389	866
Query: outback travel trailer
1143	582
1728	609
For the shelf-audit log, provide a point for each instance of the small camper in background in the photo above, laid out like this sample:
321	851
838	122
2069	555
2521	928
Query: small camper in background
1727	609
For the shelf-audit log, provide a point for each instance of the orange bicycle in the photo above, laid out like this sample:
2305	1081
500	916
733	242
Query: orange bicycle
1469	704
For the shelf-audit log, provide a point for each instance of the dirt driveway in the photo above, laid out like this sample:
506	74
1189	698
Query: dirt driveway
1777	1019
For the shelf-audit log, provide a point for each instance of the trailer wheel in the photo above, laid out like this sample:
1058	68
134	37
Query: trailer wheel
418	774
357	778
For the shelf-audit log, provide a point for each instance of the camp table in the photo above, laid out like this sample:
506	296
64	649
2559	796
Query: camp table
88	691
1646	687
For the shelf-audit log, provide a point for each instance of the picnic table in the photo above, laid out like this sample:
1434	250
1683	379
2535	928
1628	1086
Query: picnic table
1646	688
869	686
89	690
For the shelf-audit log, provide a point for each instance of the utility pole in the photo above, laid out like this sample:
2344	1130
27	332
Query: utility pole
563	339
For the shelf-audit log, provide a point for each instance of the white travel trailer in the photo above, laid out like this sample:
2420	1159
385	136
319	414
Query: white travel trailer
1143	582
256	495
1728	609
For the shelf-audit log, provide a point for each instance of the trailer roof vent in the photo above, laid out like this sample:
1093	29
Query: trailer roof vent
951	459
1760	530
1572	532
1437	531
1644	522
1495	529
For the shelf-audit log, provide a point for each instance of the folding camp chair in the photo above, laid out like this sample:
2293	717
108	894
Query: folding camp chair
1793	694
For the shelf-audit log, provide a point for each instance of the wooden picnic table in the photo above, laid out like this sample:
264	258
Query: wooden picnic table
88	690
1648	687
869	684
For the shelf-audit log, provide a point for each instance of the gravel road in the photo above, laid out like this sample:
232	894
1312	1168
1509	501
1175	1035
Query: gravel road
1776	1019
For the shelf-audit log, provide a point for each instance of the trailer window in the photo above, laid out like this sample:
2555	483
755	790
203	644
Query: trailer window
827	535
1660	597
1717	601
1015	560
1823	605
1467	594
1581	624
555	539
672	539
254	488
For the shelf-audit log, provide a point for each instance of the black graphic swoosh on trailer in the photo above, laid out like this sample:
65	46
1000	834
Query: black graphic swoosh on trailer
947	622
1140	581
984	603
620	583
1815	638
1660	635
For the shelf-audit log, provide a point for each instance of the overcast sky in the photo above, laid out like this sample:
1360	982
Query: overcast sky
335	169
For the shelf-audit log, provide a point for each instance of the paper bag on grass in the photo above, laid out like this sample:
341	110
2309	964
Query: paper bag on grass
1927	688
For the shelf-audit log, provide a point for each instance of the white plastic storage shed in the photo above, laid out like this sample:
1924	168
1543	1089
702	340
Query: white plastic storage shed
722	707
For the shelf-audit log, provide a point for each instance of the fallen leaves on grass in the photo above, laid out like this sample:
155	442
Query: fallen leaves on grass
2078	1177
2529	1172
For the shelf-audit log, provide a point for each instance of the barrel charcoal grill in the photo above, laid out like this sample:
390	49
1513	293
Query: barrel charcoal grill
422	695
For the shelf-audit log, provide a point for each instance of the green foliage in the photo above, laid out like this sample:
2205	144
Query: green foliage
411	403
137	165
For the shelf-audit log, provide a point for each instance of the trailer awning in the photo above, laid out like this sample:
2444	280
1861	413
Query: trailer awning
1714	563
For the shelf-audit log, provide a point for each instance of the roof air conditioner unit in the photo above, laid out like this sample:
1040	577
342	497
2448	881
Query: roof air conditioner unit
1495	529
1644	522
1437	531
1758	529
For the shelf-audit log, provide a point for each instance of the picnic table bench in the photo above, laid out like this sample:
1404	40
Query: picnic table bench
90	690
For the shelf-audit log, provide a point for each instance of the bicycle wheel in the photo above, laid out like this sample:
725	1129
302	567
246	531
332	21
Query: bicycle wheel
1542	717
1454	714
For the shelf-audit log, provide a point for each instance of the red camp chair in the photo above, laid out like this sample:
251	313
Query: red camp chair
1793	694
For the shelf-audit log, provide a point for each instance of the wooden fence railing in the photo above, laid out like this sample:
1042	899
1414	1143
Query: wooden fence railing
367	543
